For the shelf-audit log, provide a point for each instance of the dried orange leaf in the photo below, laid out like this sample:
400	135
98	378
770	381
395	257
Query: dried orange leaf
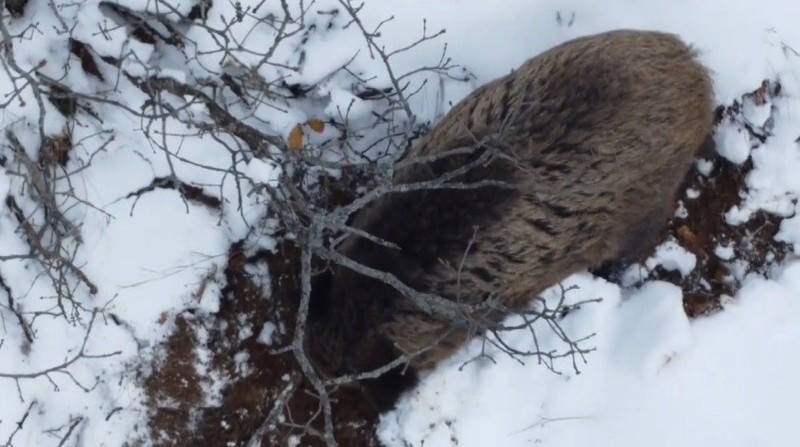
296	139
316	124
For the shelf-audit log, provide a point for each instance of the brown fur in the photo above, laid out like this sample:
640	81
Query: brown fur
595	134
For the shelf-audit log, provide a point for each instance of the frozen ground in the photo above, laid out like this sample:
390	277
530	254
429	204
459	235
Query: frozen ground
656	378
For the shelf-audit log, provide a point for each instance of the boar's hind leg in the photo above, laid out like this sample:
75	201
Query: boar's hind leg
636	240
640	237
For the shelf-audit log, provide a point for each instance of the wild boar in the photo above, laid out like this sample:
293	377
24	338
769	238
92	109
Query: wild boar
571	160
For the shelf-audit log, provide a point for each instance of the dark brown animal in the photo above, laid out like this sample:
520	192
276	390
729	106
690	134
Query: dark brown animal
594	136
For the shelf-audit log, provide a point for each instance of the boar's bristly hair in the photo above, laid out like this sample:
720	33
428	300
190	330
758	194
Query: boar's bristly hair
579	153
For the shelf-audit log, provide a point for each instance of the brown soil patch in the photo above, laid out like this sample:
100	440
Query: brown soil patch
704	228
249	397
173	387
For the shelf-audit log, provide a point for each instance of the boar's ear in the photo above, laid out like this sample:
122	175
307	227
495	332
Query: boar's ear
383	392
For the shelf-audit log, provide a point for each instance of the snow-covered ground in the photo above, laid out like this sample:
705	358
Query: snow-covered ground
656	377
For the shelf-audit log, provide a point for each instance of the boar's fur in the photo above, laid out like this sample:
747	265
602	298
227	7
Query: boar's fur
595	136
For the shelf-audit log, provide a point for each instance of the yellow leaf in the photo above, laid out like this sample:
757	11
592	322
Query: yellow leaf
296	138
316	124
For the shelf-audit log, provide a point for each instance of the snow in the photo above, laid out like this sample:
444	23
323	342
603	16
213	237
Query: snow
704	166
267	334
345	104
655	378
733	143
671	256
724	252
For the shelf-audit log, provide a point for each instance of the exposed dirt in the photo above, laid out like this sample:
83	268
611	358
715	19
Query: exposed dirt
704	229
706	199
179	415
174	387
